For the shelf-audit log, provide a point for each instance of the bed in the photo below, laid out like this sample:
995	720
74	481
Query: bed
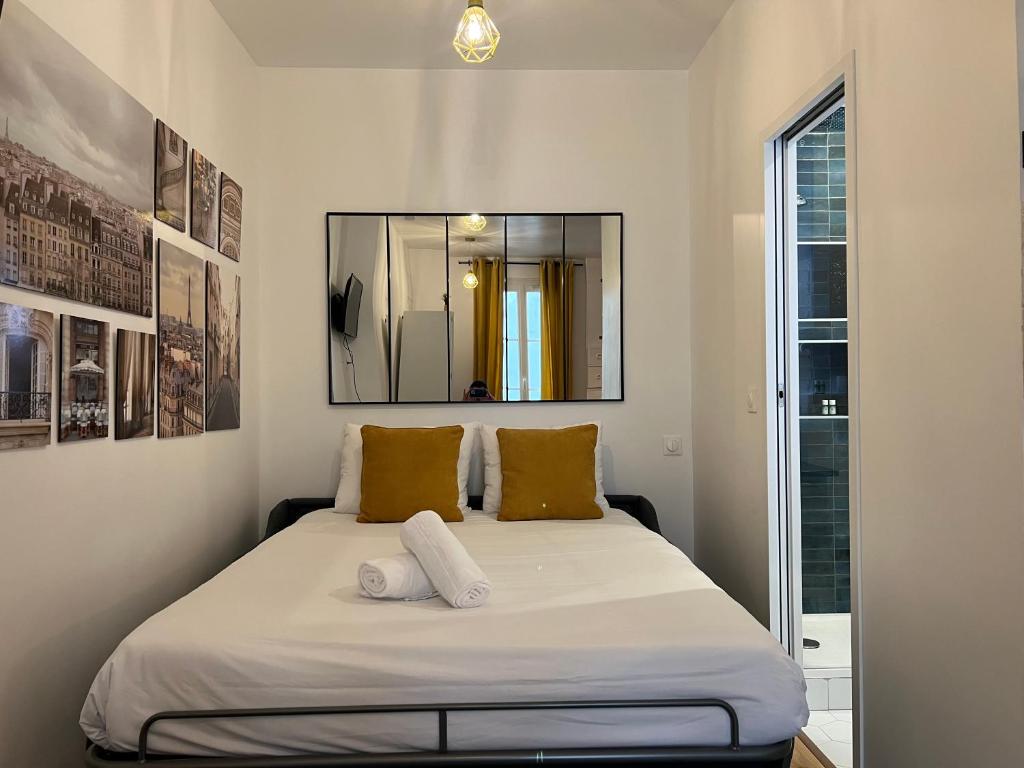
601	642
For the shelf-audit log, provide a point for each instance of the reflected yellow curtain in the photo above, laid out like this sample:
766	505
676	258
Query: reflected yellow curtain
556	305
488	316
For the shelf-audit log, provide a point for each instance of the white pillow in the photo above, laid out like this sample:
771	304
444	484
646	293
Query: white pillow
349	494
492	467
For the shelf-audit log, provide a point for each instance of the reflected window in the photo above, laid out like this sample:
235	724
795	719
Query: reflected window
533	343
522	376
511	372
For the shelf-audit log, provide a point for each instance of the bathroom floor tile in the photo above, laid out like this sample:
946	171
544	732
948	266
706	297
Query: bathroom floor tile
837	730
832	733
820	718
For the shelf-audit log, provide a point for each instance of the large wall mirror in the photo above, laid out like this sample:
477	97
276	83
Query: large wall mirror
474	307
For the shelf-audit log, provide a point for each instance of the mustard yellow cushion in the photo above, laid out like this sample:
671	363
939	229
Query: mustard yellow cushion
409	470
548	474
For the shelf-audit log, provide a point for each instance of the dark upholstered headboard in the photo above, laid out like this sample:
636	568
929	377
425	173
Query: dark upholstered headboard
290	510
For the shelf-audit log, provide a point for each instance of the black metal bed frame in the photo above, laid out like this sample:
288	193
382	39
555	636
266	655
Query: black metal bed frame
769	756
289	511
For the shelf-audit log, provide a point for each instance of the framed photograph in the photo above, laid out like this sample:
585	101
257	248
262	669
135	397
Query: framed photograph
204	200
180	334
76	173
230	218
223	348
84	362
171	176
135	385
26	370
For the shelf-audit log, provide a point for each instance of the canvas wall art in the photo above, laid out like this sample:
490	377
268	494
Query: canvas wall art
204	200
223	348
26	373
84	403
171	176
230	218
76	169
180	365
134	402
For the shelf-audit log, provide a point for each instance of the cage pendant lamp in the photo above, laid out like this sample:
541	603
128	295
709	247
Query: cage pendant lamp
476	38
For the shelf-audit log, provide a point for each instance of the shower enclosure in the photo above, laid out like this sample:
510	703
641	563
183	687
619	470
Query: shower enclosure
819	157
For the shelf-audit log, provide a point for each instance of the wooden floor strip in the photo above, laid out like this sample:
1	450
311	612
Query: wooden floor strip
803	757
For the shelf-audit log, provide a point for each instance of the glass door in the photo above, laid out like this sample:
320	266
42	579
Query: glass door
814	416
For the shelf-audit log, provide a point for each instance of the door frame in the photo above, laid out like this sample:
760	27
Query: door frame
787	360
781	577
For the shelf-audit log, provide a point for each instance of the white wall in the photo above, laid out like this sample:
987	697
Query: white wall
427	274
477	140
1020	77
99	535
940	349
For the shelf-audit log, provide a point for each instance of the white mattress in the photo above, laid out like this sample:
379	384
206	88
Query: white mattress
580	610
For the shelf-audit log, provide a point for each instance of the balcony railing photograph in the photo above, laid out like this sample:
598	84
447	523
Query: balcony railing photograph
24	405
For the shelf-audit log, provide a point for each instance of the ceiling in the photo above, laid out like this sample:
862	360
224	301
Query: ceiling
417	34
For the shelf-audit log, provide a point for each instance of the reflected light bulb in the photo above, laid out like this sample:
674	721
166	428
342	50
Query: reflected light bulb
475	222
470	280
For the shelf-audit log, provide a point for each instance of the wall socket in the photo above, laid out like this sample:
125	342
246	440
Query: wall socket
673	445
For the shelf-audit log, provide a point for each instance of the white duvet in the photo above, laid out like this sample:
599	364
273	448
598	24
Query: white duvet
580	610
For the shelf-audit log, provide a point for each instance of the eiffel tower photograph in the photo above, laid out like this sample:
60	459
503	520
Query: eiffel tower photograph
181	330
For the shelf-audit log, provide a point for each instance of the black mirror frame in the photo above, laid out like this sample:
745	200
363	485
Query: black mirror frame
390	402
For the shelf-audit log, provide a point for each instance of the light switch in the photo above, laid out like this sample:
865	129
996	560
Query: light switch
673	445
751	400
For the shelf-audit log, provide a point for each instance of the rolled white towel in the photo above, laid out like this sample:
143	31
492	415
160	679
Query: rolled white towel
399	577
454	573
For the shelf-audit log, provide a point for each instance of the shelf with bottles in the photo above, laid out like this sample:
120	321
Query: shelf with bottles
823	408
824	405
823	375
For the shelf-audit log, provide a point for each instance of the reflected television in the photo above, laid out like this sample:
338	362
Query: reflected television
345	307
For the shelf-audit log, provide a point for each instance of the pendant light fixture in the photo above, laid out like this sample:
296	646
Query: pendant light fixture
474	222
476	38
470	280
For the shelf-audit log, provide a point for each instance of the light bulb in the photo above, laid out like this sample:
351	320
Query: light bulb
470	280
476	38
474	31
475	222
